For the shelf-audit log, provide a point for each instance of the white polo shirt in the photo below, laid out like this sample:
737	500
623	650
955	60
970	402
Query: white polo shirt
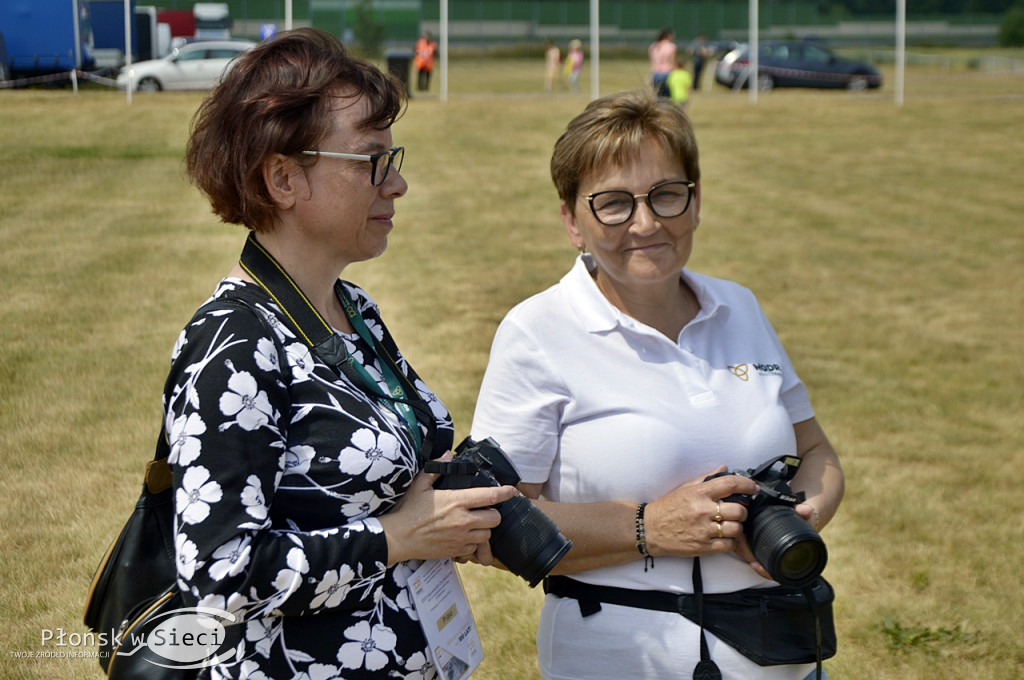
598	406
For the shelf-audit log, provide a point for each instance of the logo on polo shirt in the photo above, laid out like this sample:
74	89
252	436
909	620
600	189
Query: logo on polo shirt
742	371
768	369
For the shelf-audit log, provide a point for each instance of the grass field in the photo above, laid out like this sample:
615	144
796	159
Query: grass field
885	243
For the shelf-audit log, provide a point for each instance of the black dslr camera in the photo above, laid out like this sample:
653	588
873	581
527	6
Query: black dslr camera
527	542
785	545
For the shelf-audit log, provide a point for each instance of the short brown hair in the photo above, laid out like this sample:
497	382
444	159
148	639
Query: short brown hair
277	99
612	130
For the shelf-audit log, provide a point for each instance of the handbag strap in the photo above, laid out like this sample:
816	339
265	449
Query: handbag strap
158	472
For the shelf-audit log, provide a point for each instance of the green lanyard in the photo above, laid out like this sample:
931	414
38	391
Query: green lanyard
388	367
325	342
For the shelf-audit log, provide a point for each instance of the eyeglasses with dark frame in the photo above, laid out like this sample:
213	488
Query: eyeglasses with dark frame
378	171
616	207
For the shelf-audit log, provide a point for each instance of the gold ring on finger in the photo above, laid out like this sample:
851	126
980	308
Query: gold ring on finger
718	514
719	525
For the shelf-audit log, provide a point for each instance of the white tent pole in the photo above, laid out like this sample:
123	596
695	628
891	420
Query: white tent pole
901	48
128	46
75	9
287	15
595	49
752	82
444	51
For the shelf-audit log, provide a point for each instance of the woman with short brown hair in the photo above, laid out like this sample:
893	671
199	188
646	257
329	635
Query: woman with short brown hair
297	462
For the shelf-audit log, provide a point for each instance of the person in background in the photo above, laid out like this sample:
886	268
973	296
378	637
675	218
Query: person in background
423	60
679	82
299	496
621	389
552	65
662	55
574	64
700	51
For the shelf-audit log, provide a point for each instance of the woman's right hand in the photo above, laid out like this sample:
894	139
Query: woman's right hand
429	523
685	522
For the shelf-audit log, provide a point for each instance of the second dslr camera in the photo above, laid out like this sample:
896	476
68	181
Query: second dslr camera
785	545
527	542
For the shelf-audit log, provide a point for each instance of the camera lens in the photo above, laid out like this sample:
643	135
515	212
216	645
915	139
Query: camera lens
527	542
788	548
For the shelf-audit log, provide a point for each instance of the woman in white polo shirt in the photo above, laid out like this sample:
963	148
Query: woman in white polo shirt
620	389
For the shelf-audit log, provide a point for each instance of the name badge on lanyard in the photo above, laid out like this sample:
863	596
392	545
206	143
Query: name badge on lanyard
446	619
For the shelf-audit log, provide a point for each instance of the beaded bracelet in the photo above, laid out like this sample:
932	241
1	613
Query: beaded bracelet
641	537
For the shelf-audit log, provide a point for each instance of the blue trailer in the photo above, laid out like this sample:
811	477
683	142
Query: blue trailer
45	36
108	32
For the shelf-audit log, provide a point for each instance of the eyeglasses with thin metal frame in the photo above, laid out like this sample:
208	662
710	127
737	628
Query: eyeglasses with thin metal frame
378	171
616	207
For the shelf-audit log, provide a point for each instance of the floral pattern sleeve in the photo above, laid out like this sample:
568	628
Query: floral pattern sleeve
281	468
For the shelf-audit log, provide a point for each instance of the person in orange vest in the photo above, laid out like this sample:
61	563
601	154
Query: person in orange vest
424	61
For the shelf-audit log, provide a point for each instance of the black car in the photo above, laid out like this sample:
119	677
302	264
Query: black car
795	63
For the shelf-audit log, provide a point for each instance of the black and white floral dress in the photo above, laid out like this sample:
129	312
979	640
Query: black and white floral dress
281	468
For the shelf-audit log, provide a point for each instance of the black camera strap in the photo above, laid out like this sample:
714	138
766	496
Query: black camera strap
706	669
404	399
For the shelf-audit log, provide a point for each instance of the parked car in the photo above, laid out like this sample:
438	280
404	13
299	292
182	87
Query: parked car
795	63
195	66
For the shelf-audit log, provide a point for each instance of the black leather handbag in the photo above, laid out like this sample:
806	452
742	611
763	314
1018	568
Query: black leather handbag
136	583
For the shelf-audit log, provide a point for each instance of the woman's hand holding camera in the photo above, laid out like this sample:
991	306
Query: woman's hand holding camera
809	513
428	523
692	520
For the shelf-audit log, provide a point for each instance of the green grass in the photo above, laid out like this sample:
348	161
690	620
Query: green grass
884	242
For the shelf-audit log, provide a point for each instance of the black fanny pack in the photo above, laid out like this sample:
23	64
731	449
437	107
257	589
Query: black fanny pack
770	626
